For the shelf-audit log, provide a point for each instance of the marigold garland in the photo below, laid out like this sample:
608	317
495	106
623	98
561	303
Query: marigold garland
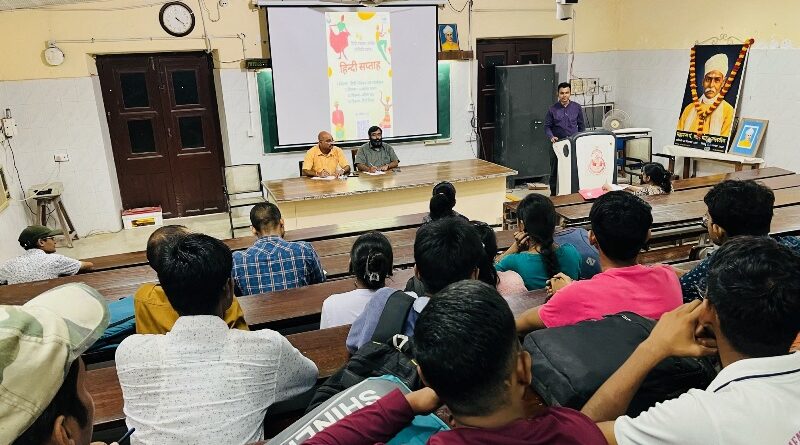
701	115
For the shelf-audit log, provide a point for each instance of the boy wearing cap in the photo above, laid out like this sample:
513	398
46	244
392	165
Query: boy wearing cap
39	262
43	397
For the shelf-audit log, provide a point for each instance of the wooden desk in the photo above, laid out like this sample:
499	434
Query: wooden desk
580	212
305	202
325	347
314	235
691	155
705	182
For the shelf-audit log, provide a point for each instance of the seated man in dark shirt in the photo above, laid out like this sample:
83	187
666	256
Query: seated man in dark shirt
470	358
735	208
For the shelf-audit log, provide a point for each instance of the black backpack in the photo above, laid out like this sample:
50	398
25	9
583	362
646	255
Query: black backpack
388	352
570	363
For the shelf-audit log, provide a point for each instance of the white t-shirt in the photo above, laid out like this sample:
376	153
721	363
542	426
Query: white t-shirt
203	383
752	401
343	309
36	265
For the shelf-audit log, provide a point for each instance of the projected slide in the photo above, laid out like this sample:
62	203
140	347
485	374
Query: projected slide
345	69
359	72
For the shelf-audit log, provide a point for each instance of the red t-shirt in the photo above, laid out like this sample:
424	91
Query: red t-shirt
379	422
645	290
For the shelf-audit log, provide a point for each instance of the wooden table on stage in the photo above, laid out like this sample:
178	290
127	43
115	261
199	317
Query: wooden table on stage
305	202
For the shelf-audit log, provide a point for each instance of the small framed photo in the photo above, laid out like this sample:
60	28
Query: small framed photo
448	37
748	136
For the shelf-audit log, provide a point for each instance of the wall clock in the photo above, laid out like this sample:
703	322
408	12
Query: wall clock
176	18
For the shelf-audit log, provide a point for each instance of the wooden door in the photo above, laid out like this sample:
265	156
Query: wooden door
498	52
161	112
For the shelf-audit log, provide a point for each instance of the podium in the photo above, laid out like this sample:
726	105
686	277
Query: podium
585	160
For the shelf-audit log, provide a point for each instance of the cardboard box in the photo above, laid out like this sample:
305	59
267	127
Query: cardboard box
142	217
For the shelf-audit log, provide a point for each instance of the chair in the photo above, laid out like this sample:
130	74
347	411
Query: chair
47	195
242	179
354	153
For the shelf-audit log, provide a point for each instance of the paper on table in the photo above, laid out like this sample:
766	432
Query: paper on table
327	178
379	172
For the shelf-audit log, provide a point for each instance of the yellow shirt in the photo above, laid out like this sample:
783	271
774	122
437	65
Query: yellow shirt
718	123
154	314
450	46
316	161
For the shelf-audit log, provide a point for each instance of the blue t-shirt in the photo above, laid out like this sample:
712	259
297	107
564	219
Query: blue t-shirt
532	269
579	238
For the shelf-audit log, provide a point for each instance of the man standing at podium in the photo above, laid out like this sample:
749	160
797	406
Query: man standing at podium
564	119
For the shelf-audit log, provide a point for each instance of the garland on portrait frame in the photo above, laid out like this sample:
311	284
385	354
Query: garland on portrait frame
721	96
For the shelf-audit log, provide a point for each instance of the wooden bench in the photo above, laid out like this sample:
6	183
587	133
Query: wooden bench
673	211
315	235
326	348
509	208
117	283
581	211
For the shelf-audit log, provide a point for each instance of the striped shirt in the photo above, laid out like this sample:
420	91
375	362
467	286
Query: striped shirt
273	263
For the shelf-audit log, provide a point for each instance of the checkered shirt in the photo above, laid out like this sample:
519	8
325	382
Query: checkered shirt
273	263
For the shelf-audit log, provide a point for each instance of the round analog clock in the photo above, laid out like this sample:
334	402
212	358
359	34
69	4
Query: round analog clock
53	56
176	18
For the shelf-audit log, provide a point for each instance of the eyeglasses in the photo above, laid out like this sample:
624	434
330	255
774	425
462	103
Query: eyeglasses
704	221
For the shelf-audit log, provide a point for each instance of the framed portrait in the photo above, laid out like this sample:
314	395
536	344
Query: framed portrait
749	136
711	96
448	37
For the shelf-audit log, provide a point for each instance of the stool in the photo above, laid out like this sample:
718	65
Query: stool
50	195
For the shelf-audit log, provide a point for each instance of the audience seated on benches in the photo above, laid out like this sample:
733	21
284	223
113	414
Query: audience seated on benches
442	203
43	399
273	263
734	208
508	282
578	237
154	314
40	260
534	255
445	251
471	360
750	315
203	383
620	228
371	262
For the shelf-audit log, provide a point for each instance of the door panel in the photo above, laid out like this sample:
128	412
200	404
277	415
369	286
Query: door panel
161	111
194	140
497	52
132	100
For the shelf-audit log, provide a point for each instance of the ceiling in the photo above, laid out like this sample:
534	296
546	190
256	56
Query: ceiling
6	5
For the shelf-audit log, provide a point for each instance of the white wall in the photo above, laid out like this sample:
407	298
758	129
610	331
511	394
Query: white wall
64	116
649	85
240	148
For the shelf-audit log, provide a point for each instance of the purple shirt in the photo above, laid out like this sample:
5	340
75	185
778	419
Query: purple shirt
562	122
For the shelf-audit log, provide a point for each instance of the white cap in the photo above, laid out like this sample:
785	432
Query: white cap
718	62
448	29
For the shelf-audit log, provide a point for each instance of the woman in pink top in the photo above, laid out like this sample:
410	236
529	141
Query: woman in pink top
620	228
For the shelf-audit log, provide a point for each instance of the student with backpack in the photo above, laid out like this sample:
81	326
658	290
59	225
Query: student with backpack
370	262
620	228
750	315
534	255
445	251
470	358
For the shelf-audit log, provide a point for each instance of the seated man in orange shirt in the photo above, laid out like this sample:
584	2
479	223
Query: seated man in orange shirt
154	314
325	159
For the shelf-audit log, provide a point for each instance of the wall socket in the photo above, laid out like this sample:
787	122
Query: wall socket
61	157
